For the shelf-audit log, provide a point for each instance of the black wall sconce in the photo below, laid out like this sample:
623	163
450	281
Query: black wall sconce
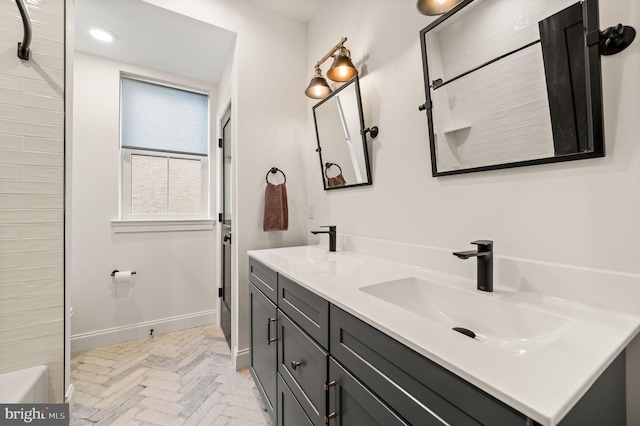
341	70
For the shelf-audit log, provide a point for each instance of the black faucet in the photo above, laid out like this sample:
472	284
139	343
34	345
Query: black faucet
332	236
485	263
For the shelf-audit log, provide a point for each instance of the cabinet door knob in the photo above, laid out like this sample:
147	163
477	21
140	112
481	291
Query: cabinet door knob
329	385
295	364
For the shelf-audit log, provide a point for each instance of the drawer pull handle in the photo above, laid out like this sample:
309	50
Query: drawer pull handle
329	385
269	339
295	364
329	417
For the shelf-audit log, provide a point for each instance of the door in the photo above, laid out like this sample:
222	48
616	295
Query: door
352	404
290	413
226	226
264	348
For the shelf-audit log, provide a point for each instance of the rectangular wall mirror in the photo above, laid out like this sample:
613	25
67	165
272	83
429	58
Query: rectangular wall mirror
342	142
512	83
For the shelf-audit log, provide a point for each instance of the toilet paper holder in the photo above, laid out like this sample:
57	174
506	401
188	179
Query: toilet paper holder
113	274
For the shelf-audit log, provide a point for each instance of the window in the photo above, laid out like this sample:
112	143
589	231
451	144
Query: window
164	136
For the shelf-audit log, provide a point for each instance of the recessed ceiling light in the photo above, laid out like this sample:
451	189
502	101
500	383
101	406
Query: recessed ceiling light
102	34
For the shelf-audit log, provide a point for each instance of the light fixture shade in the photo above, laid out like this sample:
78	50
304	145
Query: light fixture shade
342	68
318	87
435	7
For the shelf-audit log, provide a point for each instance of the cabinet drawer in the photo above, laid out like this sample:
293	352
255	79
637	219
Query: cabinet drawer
305	308
291	413
303	366
391	366
265	278
352	404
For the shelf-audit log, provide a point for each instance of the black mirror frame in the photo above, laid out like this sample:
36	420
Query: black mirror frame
363	134
594	91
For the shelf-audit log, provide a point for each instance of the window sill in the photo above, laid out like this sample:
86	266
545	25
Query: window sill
124	226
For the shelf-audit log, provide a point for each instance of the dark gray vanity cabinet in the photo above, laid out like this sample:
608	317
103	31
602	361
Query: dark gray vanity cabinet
352	404
302	364
307	309
264	347
289	410
264	278
421	391
303	330
329	367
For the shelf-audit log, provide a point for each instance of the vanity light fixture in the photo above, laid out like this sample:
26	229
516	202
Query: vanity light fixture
318	87
341	70
435	7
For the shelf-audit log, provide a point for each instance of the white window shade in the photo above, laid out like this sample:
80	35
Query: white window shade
162	118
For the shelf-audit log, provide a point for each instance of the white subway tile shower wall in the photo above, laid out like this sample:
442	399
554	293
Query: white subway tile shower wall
31	193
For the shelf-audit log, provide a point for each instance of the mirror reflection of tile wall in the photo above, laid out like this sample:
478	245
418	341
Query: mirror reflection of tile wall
508	85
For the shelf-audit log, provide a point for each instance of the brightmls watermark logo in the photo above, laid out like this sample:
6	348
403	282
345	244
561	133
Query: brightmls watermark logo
25	415
34	414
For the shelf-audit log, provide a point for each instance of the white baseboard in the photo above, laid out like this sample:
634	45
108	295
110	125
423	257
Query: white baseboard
243	358
70	398
110	336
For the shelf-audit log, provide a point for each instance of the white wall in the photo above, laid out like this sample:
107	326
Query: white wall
31	193
266	86
175	285
581	213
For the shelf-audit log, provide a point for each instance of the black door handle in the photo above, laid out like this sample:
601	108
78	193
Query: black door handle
226	238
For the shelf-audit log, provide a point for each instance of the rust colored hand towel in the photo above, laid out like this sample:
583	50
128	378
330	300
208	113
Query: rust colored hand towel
336	181
276	208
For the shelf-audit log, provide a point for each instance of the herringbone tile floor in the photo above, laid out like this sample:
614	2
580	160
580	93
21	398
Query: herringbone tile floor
181	378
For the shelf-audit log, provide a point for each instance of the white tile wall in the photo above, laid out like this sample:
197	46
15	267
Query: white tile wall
10	141
43	145
31	193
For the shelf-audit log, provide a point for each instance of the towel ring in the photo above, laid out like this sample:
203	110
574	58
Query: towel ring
275	170
328	165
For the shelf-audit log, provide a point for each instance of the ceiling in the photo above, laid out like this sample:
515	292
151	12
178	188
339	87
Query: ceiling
196	49
300	10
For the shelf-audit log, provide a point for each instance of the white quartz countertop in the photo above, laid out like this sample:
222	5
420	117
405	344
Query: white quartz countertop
543	381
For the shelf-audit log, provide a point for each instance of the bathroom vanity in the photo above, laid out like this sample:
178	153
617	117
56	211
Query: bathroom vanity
344	338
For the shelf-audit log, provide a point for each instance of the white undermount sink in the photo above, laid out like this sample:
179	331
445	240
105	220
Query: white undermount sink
497	323
307	255
304	255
